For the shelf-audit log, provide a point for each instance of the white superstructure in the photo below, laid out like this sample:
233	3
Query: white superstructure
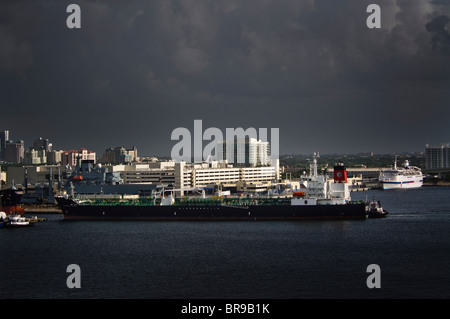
323	191
401	177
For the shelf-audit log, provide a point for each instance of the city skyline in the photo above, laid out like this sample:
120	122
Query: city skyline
102	151
135	71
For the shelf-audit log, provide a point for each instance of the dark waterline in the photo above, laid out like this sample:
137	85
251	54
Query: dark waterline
321	259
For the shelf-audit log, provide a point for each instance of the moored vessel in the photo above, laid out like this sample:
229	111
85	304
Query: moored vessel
402	177
323	199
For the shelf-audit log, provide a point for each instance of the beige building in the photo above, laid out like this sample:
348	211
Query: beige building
35	157
70	158
2	178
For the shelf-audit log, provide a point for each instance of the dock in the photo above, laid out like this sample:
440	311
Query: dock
36	219
41	209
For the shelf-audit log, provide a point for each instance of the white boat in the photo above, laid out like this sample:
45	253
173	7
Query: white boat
2	219
401	177
15	221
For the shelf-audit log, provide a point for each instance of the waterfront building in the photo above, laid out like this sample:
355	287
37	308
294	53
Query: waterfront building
203	177
138	173
437	157
186	175
258	174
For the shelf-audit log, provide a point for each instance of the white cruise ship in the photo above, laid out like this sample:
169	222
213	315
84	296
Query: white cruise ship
403	177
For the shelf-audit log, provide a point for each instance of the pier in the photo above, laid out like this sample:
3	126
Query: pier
41	209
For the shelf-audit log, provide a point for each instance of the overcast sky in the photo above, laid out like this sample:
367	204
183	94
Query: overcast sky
137	70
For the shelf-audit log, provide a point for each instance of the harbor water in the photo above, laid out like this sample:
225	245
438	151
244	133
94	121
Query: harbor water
238	260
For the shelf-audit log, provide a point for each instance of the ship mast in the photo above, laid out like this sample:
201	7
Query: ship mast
313	166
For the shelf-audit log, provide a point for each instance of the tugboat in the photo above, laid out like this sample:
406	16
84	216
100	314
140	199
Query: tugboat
375	210
2	219
11	214
17	221
14	221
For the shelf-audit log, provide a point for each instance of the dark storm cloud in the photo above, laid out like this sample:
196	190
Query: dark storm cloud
138	69
443	2
441	36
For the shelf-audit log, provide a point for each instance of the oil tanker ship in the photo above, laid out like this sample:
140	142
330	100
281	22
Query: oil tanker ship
323	199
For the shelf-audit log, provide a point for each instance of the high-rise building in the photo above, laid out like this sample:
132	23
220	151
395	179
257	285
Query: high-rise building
244	152
42	144
119	155
15	152
54	157
71	158
437	157
4	137
35	157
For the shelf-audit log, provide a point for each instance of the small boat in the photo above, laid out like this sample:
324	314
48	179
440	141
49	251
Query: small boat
16	221
375	210
2	219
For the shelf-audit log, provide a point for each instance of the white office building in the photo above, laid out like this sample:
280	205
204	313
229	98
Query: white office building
184	175
437	157
244	152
